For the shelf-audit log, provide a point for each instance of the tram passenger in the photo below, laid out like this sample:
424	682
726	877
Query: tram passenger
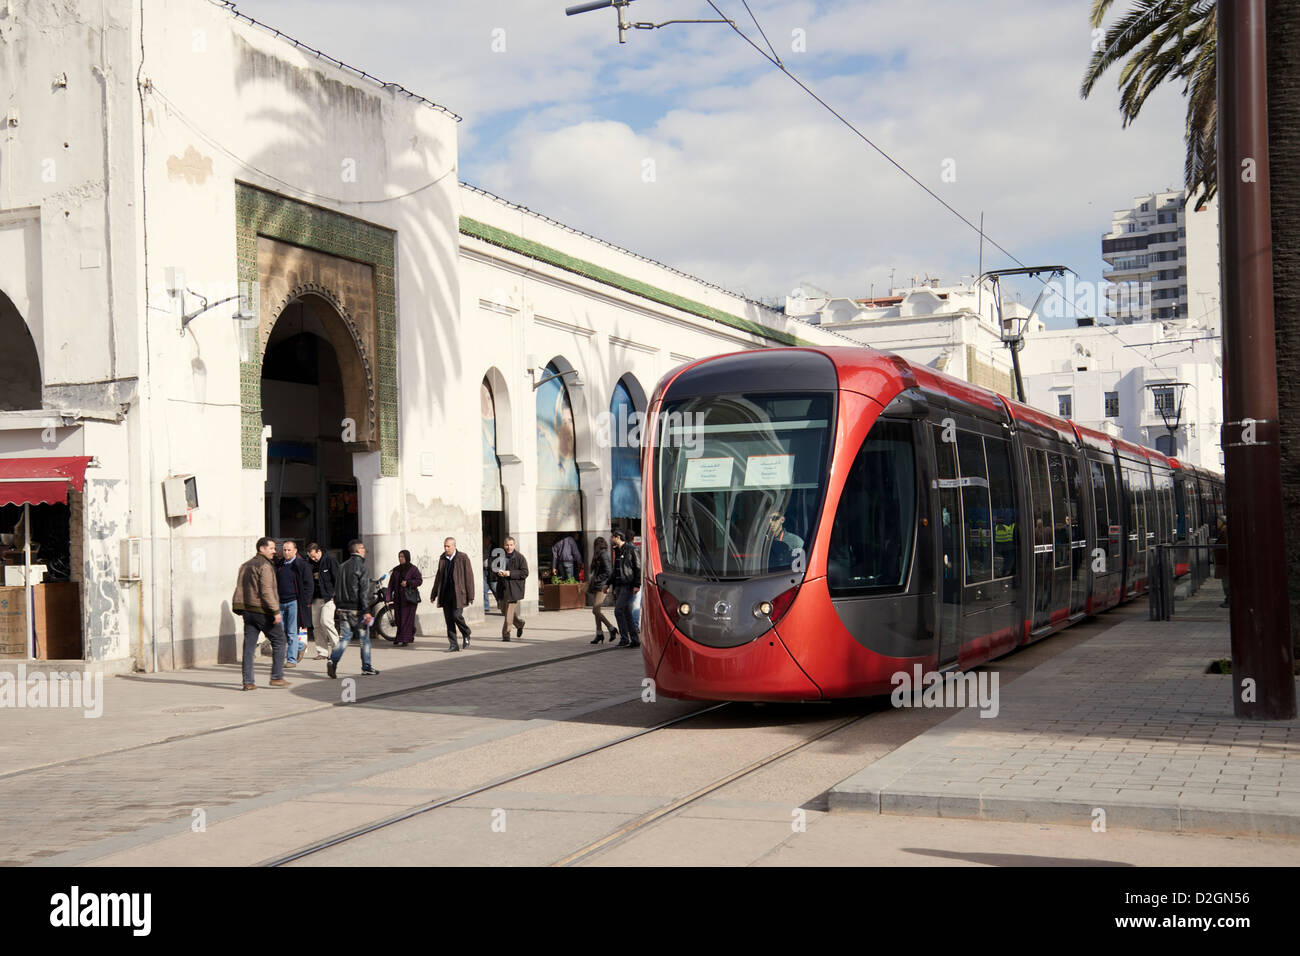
1004	543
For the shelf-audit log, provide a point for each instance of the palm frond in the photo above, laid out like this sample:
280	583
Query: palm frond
1157	41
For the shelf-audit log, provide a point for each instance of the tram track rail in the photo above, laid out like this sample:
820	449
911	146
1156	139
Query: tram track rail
350	835
620	835
383	695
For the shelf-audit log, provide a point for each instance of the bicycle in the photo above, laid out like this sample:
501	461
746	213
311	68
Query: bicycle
384	611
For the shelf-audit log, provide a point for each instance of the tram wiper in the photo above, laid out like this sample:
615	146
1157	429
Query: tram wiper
681	524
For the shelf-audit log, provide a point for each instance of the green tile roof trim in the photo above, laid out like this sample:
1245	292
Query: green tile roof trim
535	250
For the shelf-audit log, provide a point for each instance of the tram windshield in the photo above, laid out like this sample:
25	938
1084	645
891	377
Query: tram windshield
739	481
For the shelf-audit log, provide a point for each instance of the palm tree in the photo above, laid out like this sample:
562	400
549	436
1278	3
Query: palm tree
1165	40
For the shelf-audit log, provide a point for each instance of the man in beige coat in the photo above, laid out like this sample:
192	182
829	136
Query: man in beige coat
257	601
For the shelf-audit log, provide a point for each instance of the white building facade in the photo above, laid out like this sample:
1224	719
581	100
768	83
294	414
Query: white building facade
228	260
1162	254
953	329
1118	378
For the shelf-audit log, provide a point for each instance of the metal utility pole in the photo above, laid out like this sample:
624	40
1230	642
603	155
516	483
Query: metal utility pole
1263	685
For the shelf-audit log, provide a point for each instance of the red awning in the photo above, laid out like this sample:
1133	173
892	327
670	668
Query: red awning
40	481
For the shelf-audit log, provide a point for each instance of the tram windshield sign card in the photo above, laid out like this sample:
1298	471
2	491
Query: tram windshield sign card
708	473
769	470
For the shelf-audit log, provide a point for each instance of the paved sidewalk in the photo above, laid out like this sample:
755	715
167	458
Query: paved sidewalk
141	709
1128	723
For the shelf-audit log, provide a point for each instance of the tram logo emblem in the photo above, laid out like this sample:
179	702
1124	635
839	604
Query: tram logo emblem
722	610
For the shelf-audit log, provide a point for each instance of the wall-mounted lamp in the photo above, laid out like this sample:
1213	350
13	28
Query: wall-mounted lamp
577	382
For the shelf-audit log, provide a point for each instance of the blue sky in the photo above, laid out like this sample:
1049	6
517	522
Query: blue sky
755	186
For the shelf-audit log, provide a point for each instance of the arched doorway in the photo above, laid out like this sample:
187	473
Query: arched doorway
626	414
493	496
559	491
20	367
308	399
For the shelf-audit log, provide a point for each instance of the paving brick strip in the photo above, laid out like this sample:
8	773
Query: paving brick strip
1128	723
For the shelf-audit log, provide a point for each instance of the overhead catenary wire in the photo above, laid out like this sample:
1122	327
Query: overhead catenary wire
776	61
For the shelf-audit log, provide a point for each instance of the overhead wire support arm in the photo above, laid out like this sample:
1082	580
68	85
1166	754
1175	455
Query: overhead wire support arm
624	25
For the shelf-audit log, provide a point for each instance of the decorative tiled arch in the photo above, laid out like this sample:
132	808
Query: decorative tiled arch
262	213
369	401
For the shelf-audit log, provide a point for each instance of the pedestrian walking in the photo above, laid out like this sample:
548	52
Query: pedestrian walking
599	576
257	601
325	583
453	589
511	578
627	588
294	579
404	594
352	615
565	556
1221	556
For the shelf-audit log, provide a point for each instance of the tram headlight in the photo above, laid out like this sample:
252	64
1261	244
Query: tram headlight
763	609
684	609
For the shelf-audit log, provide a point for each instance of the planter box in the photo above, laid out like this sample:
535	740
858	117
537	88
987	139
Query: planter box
563	597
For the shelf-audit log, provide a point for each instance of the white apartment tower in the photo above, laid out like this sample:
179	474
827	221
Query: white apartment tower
1146	250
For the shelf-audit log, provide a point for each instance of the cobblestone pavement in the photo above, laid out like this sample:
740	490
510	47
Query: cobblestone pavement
1129	723
271	773
305	740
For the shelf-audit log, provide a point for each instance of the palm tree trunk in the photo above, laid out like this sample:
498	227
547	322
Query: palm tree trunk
1284	165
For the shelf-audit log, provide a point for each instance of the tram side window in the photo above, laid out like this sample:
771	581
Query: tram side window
1182	505
1042	499
1002	500
1140	506
1076	499
1148	499
1100	515
1060	512
975	507
1112	505
871	539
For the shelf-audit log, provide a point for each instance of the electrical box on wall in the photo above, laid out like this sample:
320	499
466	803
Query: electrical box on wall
130	567
180	495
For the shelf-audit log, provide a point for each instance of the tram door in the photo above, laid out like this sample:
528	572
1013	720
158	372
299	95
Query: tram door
1078	538
950	542
1041	508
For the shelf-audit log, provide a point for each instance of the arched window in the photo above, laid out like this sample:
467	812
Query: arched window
491	464
624	457
558	494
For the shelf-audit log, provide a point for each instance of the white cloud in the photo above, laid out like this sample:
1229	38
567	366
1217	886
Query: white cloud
756	185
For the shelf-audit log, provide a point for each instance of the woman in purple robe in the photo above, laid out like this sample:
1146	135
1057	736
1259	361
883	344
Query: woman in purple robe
404	576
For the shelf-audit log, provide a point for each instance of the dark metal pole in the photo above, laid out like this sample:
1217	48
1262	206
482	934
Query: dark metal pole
1262	680
1016	346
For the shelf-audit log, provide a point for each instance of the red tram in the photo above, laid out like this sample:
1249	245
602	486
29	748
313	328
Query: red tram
820	519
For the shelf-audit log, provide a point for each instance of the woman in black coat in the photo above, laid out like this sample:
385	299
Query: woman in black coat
405	575
599	575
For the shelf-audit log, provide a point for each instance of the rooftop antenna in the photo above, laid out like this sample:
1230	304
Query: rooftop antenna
623	24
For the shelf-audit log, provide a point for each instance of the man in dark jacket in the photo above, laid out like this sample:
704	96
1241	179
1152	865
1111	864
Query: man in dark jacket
565	557
352	609
325	582
294	579
627	582
453	589
257	601
511	578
